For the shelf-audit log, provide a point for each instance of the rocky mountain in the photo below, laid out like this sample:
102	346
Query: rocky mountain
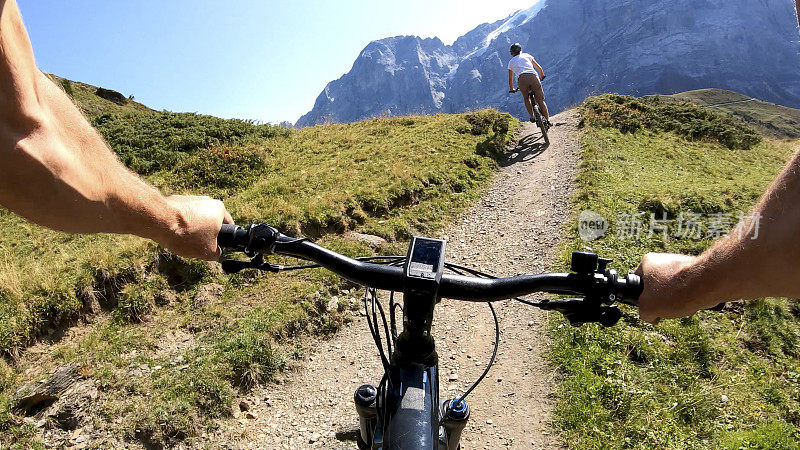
585	46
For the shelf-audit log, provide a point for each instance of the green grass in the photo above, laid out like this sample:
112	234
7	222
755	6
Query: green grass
84	96
772	120
642	386
391	177
631	114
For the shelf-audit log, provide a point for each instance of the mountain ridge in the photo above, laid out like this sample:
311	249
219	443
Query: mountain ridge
632	47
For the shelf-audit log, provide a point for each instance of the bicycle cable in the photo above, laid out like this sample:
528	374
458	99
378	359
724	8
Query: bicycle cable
371	312
457	270
373	325
478	273
373	307
389	260
393	260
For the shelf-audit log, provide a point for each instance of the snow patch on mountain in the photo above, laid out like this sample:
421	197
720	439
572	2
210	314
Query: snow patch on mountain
518	18
515	20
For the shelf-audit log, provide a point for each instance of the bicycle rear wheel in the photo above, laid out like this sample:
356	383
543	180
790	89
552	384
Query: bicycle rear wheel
537	115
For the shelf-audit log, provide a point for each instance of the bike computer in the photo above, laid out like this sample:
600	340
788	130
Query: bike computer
425	259
423	273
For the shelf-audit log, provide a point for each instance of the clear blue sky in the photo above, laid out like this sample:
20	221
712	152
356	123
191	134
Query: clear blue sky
264	60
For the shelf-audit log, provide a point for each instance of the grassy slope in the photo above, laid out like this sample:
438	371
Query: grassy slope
387	176
773	120
91	104
642	386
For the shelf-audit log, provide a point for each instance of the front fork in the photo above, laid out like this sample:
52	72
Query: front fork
365	399
456	417
453	424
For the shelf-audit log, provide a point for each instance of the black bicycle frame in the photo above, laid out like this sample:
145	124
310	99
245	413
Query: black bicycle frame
412	408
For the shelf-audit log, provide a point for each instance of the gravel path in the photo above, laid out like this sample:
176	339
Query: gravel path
513	229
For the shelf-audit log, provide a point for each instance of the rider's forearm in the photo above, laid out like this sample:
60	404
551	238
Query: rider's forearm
510	80
766	263
538	68
57	171
71	180
760	261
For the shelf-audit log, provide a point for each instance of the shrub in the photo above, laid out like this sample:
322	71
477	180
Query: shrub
631	114
67	86
494	124
150	142
224	168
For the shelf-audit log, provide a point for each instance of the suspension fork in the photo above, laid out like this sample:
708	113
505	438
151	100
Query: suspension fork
409	414
365	399
412	415
455	416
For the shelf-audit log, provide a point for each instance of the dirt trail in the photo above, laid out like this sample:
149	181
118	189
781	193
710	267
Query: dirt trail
514	229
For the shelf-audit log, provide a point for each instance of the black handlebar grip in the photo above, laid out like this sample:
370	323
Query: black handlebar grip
232	236
634	285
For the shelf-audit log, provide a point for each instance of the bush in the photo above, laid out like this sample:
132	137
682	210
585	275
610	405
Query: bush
150	142
249	351
494	124
223	168
488	119
178	399
631	114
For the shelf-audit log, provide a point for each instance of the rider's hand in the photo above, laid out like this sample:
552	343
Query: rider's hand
544	76
511	91
199	221
667	291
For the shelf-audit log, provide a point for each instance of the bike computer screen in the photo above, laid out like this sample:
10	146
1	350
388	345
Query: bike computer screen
425	258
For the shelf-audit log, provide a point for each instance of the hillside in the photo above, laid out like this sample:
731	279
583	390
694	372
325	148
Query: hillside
159	347
773	120
86	96
635	47
722	380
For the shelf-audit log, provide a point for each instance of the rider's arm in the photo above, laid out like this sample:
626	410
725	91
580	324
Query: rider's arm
735	267
58	172
510	80
537	67
797	10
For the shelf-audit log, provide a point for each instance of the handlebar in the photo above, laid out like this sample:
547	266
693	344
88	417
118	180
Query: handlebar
603	285
231	235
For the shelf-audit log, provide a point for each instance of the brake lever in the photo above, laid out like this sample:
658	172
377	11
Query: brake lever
230	266
579	311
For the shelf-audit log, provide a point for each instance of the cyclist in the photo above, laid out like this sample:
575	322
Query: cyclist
739	266
525	68
59	173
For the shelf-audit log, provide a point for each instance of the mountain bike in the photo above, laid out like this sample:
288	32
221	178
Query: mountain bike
404	410
543	125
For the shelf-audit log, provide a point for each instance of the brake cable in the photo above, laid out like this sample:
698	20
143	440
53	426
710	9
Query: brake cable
373	326
478	273
393	306
236	265
458	270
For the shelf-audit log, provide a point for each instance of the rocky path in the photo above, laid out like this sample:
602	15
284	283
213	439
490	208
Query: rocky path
514	229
